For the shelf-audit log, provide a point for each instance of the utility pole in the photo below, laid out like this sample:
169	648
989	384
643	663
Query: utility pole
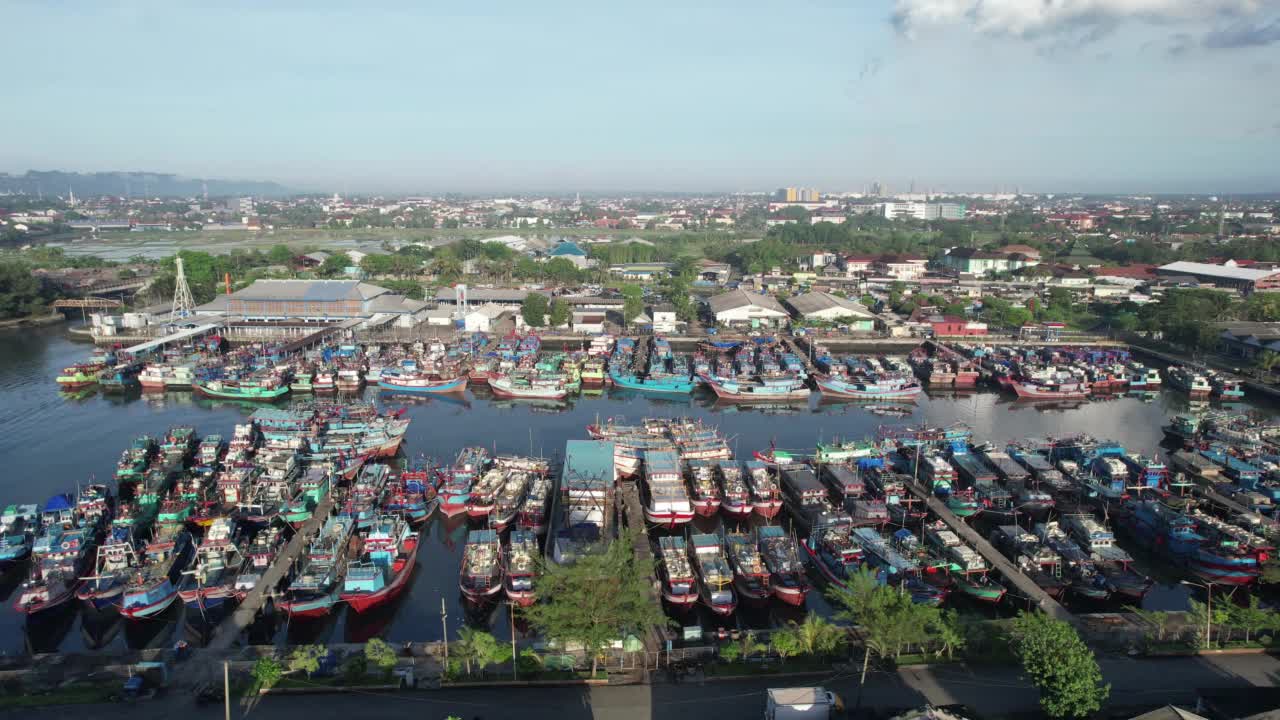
515	665
444	623
226	690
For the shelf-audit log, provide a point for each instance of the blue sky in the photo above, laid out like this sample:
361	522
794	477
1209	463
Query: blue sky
1087	95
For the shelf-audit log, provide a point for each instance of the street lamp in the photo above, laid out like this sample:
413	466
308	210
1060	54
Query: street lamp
1208	610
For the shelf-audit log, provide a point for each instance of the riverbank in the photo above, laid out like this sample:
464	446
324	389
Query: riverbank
33	321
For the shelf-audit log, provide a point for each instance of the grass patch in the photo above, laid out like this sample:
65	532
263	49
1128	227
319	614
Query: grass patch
333	681
77	694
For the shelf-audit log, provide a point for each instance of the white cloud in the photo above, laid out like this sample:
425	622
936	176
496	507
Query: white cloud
1083	19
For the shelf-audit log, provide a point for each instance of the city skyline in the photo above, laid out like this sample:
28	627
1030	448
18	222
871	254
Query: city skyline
1081	96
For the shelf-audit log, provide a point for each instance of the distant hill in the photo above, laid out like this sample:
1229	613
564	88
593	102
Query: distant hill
131	184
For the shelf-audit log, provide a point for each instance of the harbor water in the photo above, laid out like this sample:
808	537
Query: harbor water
51	441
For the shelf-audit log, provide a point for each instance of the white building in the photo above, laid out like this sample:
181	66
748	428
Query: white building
923	211
739	307
664	318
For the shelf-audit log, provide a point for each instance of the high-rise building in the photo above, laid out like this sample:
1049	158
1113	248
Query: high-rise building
792	194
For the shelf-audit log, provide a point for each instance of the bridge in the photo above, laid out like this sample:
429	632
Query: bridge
86	303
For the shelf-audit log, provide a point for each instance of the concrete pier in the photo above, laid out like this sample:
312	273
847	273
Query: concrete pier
998	562
231	628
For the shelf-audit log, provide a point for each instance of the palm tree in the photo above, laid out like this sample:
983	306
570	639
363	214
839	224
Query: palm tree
464	648
1268	359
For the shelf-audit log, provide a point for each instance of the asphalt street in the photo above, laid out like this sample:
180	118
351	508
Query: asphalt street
990	691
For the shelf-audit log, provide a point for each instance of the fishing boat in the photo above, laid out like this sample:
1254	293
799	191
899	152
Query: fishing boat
834	552
386	563
666	499
735	494
534	505
258	557
312	489
1183	429
786	572
18	527
972	578
527	388
715	578
56	569
747	391
316	584
456	480
413	495
1040	564
522	567
1190	381
806	499
679	586
120	378
364	498
1065	390
116	561
1225	388
703	489
265	389
154	588
1175	536
210	583
883	388
80	375
349	380
750	574
1111	560
667	384
766	496
301	383
1084	579
481	574
506	506
416	383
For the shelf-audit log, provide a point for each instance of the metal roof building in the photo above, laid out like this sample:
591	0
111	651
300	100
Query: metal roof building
825	306
312	301
1231	275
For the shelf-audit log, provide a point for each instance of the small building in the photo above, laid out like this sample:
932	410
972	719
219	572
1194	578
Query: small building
587	320
950	325
982	262
484	317
712	272
1247	339
832	308
439	316
571	252
644	272
664	318
313	260
739	307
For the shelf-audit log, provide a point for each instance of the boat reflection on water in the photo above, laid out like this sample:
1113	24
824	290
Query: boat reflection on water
438	399
99	629
156	632
729	407
79	395
655	399
44	632
1047	405
360	627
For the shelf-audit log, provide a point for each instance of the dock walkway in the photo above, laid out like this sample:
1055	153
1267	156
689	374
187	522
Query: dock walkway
993	557
655	639
231	628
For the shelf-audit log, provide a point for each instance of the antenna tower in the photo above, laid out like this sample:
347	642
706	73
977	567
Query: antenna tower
183	304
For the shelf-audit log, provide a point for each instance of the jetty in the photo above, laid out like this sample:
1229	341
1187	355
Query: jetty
994	559
231	629
655	638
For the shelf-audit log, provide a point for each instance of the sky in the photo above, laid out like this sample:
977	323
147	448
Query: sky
1113	96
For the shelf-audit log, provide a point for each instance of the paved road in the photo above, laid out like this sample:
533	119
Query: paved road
991	691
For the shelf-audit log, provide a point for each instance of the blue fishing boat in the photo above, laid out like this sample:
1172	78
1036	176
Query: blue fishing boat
18	527
116	562
316	584
154	588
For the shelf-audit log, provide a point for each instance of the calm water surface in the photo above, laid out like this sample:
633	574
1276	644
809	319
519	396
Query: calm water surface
50	441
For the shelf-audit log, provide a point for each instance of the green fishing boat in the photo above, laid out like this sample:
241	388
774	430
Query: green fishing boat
844	452
175	510
312	491
247	389
301	383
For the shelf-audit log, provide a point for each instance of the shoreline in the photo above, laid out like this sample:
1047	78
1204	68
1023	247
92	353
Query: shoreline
33	321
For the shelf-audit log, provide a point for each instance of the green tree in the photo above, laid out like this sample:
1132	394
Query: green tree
818	637
380	654
267	672
632	302
1156	620
599	598
1251	618
785	642
1060	664
306	658
1267	360
948	632
888	619
408	288
534	309
559	313
21	293
334	265
280	255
